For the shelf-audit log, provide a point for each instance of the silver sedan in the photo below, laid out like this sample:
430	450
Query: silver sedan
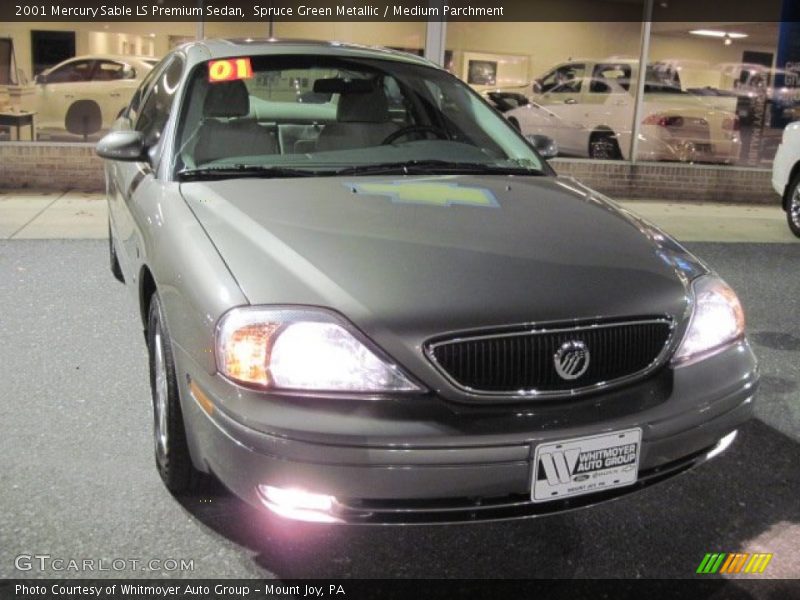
368	299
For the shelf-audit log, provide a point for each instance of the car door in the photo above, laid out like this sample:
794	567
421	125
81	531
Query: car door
59	89
561	95
148	112
608	102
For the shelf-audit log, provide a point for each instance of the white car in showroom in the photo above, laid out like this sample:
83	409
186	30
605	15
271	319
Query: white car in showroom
587	108
786	175
85	94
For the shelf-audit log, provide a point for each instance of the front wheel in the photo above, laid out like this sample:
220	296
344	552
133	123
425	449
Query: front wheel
793	207
169	434
604	146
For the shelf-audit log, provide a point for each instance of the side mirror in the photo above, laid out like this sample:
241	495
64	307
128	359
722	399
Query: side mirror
123	145
545	146
537	86
40	79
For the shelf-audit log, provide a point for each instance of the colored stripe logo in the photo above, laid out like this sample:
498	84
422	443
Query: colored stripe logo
432	193
733	563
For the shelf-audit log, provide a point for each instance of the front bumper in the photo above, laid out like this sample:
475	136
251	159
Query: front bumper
446	478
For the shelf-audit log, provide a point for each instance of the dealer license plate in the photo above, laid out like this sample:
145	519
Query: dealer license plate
586	465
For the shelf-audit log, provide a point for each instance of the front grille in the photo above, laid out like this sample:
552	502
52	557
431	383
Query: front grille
524	362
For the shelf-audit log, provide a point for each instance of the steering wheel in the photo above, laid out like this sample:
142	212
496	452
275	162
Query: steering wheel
400	133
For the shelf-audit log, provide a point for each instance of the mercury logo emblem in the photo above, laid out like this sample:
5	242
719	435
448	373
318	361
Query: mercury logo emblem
571	360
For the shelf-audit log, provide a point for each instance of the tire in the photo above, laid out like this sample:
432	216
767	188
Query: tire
514	123
116	271
793	206
173	461
685	151
603	146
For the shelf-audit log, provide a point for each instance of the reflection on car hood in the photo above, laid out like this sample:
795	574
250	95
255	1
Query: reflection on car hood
419	256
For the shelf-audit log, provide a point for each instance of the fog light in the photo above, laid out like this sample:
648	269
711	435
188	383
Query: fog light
298	504
722	445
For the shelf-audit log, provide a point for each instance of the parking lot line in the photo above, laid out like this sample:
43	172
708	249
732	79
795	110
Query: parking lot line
18	209
74	215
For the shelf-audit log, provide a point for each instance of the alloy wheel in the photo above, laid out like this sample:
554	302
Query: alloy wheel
794	207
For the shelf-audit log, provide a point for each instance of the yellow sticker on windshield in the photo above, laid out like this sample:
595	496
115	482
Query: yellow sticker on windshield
229	69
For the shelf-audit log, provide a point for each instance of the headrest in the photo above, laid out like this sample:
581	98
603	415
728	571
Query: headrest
339	85
372	107
227	99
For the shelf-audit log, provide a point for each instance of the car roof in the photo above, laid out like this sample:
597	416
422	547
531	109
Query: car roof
203	50
124	58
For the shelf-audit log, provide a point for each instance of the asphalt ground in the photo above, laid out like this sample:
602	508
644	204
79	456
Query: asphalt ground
78	479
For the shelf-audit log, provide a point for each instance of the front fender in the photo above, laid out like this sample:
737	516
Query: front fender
193	281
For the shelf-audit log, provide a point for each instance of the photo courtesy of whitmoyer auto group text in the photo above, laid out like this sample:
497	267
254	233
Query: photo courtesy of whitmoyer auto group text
400	299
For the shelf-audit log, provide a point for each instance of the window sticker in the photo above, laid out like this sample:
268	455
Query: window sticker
229	69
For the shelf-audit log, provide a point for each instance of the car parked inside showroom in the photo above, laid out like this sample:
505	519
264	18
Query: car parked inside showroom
385	307
506	100
85	94
587	107
786	175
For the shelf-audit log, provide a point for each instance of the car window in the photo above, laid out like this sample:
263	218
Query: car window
328	112
604	75
564	80
155	111
143	90
662	78
111	70
79	70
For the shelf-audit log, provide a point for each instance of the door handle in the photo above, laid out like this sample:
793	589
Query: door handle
114	94
570	101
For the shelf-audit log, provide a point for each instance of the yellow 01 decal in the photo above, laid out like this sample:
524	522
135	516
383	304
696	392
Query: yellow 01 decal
229	69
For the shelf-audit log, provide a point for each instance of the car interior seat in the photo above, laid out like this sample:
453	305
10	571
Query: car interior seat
225	130
362	120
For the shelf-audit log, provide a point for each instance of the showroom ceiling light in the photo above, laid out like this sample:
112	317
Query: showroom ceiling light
717	33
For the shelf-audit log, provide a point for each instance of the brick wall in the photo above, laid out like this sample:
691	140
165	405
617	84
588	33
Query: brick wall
50	166
53	166
668	181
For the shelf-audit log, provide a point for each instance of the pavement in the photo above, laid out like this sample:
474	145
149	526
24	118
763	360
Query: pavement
80	215
78	479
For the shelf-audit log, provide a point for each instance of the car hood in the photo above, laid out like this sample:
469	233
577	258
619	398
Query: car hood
407	258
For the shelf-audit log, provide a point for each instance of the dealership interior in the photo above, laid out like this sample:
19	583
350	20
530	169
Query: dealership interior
745	97
690	147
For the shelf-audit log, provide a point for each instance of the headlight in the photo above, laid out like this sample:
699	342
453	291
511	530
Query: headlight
717	319
302	349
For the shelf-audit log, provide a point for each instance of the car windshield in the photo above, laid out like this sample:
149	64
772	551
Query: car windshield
294	115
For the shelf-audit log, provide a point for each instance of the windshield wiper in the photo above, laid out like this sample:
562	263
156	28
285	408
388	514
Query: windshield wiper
428	167
232	171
